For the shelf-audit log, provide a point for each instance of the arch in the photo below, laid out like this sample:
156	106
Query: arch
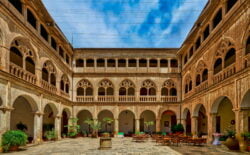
79	62
49	72
16	56
216	103
64	120
100	63
53	108
111	63
127	122
64	84
82	116
196	110
245	103
217	66
84	88
23	115
230	57
127	87
30	100
104	126
146	116
187	116
148	87
168	120
105	88
153	63
245	107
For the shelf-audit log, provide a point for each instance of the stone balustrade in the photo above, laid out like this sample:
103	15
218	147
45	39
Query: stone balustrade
84	98
105	98
147	98
48	86
168	98
64	94
201	87
225	73
23	74
126	98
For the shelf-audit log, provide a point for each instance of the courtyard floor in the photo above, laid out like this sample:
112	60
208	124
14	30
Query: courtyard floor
121	146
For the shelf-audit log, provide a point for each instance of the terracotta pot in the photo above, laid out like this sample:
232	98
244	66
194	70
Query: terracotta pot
14	148
242	143
248	148
232	143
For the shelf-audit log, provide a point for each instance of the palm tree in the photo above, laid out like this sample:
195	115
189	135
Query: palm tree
107	122
148	124
89	122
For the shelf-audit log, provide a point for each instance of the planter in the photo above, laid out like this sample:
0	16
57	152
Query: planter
105	143
105	135
248	148
14	148
243	146
232	143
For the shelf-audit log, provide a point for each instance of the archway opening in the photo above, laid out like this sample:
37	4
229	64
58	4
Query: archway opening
48	119
168	120
145	120
245	106
22	117
82	117
127	122
104	117
64	122
202	121
188	125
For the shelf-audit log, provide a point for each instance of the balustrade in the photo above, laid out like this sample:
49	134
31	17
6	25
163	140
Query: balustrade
168	98
84	98
48	86
106	98
225	73
147	98
201	87
127	98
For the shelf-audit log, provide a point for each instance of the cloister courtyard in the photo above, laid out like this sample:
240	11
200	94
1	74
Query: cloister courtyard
121	146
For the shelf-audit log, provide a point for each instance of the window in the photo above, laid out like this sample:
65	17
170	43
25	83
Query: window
205	75
198	43
90	63
142	63
61	52
101	91
185	59
132	63
186	88
44	33
17	4
100	63
248	46
217	18
80	91
143	92
230	57
230	4
131	91
53	79
206	33
67	88
45	74
31	18
16	56
67	58
198	80
173	92
190	86
218	66
111	63
89	91
164	63
62	85
153	63
164	92
79	63
122	91
121	63
174	63
152	92
30	65
191	52
53	43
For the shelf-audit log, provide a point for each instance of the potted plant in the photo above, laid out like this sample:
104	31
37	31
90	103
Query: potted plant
244	140
148	124
12	139
107	122
179	129
231	142
21	126
73	129
50	135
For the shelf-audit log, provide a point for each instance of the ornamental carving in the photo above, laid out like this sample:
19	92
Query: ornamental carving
201	66
148	84
84	84
65	78
23	47
169	84
127	84
223	47
49	66
105	84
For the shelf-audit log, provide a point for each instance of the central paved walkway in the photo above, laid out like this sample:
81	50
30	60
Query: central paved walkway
89	146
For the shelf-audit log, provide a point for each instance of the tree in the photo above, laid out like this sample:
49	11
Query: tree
96	126
88	121
107	122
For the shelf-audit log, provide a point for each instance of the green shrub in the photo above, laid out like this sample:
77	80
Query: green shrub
13	138
50	135
177	128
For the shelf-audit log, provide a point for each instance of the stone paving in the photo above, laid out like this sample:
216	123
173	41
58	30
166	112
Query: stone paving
121	146
88	146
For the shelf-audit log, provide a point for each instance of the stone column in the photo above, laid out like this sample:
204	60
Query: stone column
194	125
158	125
237	120
137	125
116	127
58	127
243	120
38	130
211	126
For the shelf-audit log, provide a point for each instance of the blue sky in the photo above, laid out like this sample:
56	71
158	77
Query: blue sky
125	23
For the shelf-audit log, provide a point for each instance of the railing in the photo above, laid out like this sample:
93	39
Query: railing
49	87
105	98
225	73
127	98
147	98
188	94
201	87
64	94
84	98
168	98
23	74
